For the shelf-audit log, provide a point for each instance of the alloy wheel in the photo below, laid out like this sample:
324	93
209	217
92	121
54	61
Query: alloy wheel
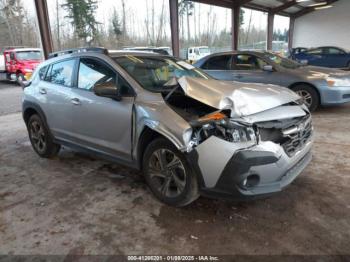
167	173
38	136
306	96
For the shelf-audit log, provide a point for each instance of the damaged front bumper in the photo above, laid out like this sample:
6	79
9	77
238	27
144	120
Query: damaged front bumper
230	170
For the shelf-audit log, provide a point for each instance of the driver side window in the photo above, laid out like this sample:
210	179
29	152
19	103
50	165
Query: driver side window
92	72
247	62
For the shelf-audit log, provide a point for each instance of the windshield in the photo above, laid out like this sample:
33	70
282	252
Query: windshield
152	73
281	61
204	50
29	55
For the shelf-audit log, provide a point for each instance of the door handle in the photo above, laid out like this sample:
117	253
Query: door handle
42	91
238	76
75	101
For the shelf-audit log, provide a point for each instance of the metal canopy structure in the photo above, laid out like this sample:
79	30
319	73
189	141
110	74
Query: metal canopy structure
291	8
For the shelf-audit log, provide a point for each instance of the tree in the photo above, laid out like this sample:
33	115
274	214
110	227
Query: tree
13	13
124	21
186	7
58	26
116	25
82	15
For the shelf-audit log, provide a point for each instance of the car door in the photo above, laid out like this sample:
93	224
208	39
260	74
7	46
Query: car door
55	94
101	123
335	57
314	57
249	68
219	67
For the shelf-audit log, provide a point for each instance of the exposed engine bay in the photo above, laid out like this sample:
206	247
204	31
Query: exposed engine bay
291	132
207	121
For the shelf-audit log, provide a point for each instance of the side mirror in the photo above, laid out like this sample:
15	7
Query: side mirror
268	68
107	89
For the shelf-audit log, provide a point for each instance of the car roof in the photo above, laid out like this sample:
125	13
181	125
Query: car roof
255	52
111	53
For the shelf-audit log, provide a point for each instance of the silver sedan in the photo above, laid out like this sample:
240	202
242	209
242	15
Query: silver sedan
316	85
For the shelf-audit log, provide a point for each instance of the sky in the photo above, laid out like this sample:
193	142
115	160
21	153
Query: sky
137	9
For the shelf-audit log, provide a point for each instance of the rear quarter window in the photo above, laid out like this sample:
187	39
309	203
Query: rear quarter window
61	73
42	72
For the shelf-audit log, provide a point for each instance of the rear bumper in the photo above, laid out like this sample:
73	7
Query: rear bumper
335	95
254	172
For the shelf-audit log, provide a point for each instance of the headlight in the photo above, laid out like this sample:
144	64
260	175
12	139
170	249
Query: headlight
331	81
27	70
242	134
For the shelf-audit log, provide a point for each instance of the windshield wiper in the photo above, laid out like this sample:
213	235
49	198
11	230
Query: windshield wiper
171	92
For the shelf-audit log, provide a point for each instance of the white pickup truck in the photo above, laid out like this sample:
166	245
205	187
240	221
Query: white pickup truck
195	53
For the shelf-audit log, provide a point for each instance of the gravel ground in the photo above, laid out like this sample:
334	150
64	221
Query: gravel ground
77	204
10	97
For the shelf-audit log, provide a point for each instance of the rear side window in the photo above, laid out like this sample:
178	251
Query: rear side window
222	62
61	73
42	72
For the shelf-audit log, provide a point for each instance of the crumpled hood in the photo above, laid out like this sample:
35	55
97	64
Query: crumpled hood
242	98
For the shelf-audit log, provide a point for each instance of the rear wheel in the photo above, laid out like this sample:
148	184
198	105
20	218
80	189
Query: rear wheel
309	96
168	175
41	138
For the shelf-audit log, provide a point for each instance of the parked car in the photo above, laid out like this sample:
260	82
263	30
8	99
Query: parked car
163	116
316	85
295	51
19	63
195	53
327	56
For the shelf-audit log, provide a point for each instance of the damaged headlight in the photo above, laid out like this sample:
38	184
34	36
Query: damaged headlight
241	134
221	126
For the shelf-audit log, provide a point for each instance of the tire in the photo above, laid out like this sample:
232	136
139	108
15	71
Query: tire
309	95
40	138
168	174
20	78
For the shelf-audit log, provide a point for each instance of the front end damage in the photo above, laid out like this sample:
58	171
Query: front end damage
240	146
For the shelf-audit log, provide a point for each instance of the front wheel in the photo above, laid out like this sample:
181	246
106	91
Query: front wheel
20	78
309	95
168	174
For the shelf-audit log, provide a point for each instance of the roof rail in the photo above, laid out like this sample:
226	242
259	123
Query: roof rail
101	50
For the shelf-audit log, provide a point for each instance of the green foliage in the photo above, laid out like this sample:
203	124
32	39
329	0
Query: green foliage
116	24
280	36
186	7
241	17
82	15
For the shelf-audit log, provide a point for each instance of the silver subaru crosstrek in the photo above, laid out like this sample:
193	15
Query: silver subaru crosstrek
191	135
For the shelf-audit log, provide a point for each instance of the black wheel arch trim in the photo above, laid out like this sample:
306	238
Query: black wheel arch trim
28	105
